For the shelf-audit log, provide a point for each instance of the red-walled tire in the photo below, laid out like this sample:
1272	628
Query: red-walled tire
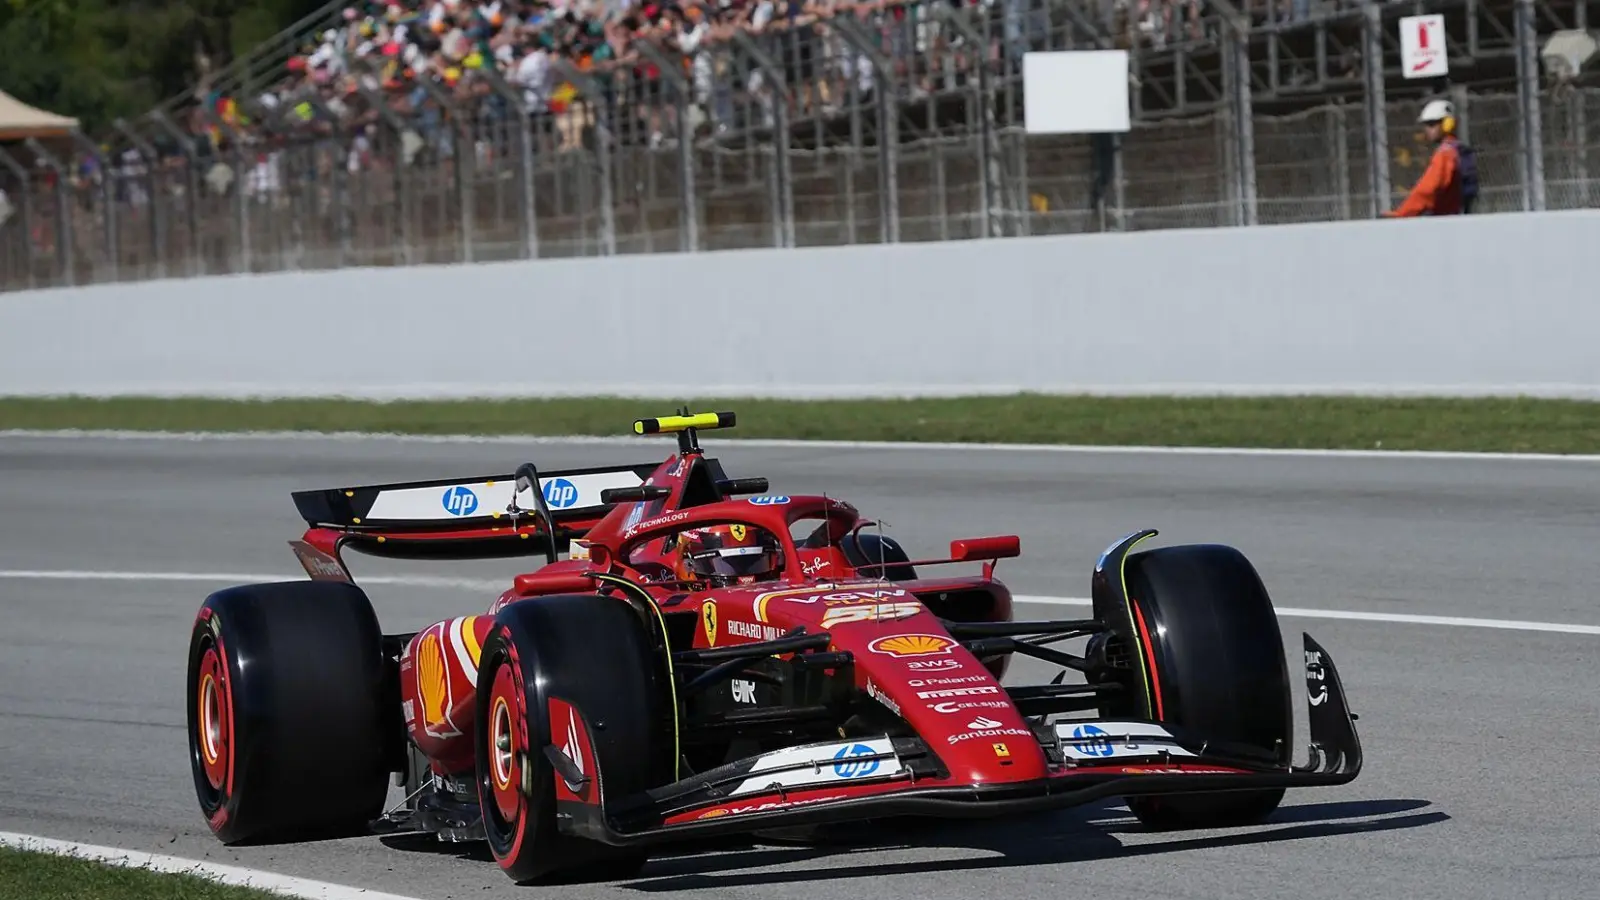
286	716
594	657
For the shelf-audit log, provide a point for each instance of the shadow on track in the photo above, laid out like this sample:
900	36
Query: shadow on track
1083	835
421	842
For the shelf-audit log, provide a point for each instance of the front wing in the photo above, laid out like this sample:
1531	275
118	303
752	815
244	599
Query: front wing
878	777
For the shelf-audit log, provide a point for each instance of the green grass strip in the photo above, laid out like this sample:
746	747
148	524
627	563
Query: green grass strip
43	876
1508	425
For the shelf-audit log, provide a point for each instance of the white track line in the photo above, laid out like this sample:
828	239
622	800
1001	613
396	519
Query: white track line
786	444
498	585
1360	616
172	865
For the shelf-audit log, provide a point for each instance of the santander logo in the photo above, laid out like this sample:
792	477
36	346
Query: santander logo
983	723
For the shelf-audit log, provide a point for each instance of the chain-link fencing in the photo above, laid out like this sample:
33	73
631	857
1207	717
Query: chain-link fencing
902	124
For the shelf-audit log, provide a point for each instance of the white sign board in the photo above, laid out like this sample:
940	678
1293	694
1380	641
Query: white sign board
1422	49
1075	92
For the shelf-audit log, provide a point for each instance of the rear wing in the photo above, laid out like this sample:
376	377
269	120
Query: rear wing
522	513
472	517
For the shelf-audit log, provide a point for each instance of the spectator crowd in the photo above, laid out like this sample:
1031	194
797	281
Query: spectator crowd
379	51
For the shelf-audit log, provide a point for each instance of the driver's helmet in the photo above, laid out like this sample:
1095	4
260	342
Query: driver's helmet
728	554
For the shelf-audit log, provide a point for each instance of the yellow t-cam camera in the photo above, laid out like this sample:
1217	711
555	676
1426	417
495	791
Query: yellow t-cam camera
673	424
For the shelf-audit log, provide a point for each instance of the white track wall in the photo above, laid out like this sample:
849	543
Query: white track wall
1473	305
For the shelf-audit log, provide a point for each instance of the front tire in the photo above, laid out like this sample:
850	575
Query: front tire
1205	627
596	659
286	714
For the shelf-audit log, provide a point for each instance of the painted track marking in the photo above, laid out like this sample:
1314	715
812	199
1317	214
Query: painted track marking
1361	616
173	865
498	585
785	444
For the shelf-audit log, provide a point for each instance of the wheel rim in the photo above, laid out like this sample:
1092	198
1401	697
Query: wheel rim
501	756
506	744
214	723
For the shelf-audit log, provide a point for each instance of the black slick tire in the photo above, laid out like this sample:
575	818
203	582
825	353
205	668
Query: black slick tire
600	657
1208	629
286	712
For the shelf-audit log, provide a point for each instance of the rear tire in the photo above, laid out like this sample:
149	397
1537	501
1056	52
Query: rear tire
286	711
597	655
1208	629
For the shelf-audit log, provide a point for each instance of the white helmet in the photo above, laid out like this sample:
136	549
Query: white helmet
1436	111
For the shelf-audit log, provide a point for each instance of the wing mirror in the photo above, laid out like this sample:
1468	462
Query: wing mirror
998	547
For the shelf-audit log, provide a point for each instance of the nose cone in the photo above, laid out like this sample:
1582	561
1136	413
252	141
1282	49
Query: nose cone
956	705
908	662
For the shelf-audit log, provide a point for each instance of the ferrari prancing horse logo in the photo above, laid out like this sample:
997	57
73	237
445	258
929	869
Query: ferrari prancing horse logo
737	531
708	618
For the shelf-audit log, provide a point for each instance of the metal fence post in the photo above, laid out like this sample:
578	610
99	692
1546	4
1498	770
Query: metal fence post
525	182
1530	133
402	207
340	213
783	187
465	148
186	146
25	204
1339	139
989	176
158	212
603	136
689	212
277	234
1459	97
1372	63
1577	126
1237	47
888	125
64	234
108	201
240	202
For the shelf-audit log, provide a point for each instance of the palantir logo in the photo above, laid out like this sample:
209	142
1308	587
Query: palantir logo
1091	740
460	501
851	764
560	493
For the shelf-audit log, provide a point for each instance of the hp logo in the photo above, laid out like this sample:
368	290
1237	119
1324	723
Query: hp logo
1091	740
460	501
851	765
560	493
777	500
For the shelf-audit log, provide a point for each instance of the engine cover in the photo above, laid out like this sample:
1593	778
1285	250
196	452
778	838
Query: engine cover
438	684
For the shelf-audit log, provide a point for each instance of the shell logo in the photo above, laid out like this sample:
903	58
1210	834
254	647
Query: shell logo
432	681
902	645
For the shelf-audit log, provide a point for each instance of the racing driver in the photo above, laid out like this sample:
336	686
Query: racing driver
720	555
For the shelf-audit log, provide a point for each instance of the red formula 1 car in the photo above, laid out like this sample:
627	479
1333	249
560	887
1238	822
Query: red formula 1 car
713	659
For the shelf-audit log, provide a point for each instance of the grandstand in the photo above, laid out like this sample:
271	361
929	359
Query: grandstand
405	132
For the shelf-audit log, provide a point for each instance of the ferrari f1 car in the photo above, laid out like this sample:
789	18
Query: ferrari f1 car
699	657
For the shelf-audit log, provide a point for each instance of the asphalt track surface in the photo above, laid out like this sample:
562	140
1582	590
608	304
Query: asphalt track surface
1480	742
